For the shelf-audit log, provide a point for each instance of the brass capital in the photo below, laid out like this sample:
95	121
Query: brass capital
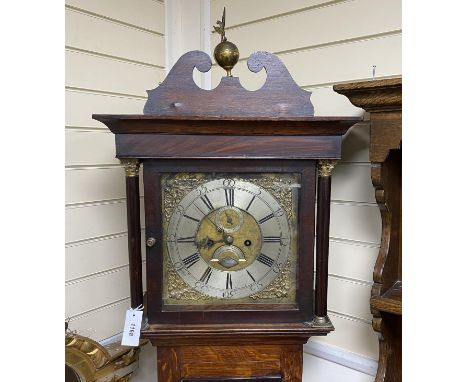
131	166
326	167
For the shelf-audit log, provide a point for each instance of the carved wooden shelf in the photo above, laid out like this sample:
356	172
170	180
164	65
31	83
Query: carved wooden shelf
390	301
382	99
241	334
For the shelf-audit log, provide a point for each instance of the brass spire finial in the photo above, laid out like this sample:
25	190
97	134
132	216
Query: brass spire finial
226	53
220	29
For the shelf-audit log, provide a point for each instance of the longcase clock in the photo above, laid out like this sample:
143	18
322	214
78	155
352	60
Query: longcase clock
234	181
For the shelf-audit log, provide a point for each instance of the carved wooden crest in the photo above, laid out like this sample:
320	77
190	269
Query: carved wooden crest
178	94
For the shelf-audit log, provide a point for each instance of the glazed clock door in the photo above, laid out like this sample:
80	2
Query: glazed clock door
229	240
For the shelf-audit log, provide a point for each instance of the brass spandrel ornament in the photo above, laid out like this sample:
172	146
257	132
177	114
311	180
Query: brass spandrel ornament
279	288
226	53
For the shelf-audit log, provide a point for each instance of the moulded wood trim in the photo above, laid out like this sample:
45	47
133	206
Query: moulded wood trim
331	84
377	96
232	147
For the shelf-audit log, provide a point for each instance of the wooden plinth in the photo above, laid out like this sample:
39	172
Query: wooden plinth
276	362
231	353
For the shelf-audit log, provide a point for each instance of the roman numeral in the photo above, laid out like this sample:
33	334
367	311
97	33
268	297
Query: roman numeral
266	218
206	275
251	201
229	194
207	202
190	239
228	281
250	275
192	259
194	219
272	239
264	259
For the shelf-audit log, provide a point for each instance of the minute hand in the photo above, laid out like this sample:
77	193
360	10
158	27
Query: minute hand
218	228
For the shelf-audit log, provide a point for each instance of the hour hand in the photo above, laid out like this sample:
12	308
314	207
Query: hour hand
218	228
207	242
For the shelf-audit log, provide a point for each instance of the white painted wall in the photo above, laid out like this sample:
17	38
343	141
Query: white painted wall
114	52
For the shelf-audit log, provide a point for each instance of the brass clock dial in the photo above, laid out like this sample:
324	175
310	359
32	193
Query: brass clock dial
228	238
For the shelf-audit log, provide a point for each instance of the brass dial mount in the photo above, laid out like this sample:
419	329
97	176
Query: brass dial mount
229	238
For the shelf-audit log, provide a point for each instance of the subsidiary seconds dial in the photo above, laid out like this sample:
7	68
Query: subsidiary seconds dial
228	238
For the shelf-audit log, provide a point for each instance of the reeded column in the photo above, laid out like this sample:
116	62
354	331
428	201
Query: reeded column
132	167
325	168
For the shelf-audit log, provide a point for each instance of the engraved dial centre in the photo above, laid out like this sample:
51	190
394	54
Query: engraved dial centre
229	238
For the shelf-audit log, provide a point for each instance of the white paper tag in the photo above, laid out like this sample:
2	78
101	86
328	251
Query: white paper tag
131	333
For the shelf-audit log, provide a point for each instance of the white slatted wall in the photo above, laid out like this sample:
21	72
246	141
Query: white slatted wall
114	52
323	43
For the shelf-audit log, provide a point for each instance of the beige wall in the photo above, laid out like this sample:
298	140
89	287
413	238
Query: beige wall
114	52
323	43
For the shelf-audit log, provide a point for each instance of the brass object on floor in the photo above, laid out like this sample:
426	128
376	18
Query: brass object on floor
226	53
88	361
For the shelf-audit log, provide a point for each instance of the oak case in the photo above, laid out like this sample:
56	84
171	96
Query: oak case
230	130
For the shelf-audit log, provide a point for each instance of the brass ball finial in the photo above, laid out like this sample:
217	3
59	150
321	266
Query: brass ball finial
226	53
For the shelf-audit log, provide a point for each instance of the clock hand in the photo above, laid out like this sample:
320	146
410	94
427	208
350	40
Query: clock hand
219	229
207	242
